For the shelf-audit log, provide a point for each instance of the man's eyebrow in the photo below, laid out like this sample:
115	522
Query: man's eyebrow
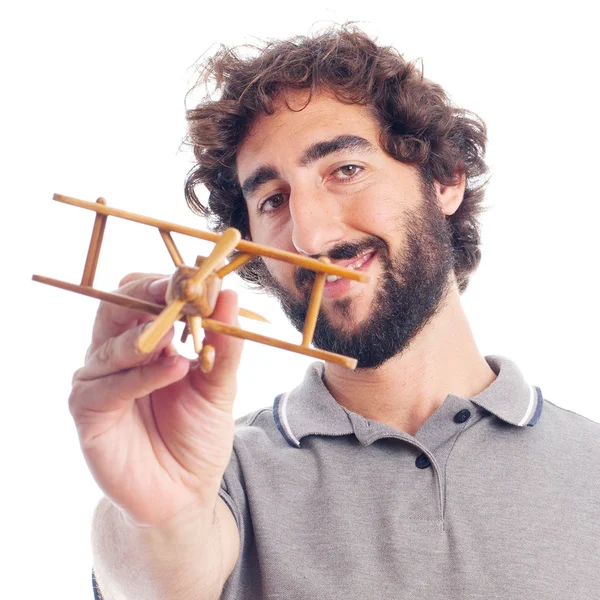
341	142
258	177
314	152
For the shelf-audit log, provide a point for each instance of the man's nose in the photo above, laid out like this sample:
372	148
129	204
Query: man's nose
317	223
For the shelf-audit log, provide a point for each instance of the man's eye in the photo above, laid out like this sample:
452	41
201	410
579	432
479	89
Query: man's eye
348	171
272	203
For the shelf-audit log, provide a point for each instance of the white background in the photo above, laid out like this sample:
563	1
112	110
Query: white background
93	105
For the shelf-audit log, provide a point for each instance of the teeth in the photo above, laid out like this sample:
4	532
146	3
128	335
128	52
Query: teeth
356	265
360	262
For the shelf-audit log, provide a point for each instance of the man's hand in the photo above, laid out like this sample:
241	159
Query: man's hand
156	432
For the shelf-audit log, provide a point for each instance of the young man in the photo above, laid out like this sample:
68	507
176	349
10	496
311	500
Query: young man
430	471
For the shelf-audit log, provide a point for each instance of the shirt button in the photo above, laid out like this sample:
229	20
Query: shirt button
462	415
422	461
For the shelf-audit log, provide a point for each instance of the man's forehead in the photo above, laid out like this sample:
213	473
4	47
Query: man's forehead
301	120
305	106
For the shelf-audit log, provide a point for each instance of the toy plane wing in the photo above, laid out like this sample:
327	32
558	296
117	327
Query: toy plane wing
192	300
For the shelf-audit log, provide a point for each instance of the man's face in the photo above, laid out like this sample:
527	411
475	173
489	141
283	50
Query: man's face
317	182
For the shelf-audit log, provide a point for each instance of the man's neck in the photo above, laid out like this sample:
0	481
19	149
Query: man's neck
404	392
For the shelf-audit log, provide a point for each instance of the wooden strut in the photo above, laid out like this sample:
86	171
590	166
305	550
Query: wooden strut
91	262
171	247
314	306
236	263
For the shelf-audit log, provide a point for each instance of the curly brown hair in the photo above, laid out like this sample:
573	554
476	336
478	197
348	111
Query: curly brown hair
419	124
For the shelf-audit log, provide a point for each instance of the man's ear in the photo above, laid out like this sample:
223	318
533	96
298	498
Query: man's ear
451	196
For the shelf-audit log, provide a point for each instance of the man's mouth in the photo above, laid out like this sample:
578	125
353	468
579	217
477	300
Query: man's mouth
355	264
337	287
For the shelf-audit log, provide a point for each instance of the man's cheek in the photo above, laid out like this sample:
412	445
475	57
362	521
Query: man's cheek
281	272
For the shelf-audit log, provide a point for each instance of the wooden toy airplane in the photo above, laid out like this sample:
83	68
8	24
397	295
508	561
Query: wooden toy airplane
192	291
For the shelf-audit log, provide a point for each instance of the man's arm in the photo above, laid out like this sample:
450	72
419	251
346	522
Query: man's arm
157	434
190	558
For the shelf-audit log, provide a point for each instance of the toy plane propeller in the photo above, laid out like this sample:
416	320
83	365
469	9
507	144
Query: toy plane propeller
192	291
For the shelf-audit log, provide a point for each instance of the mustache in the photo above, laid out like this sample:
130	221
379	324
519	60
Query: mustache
344	251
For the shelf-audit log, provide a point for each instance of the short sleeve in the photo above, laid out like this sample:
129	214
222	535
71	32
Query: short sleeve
233	494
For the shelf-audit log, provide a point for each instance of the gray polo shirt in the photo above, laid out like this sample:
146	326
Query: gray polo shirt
496	496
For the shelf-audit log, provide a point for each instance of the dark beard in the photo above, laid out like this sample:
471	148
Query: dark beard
412	287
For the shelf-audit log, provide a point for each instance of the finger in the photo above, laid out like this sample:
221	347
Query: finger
132	277
90	399
112	320
228	350
120	353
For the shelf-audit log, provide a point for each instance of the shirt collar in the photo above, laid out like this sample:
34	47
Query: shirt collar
309	409
510	397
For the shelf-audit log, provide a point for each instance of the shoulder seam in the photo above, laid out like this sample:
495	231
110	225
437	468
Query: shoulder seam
257	414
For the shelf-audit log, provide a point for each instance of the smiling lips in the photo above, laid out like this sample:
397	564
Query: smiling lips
355	264
335	286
